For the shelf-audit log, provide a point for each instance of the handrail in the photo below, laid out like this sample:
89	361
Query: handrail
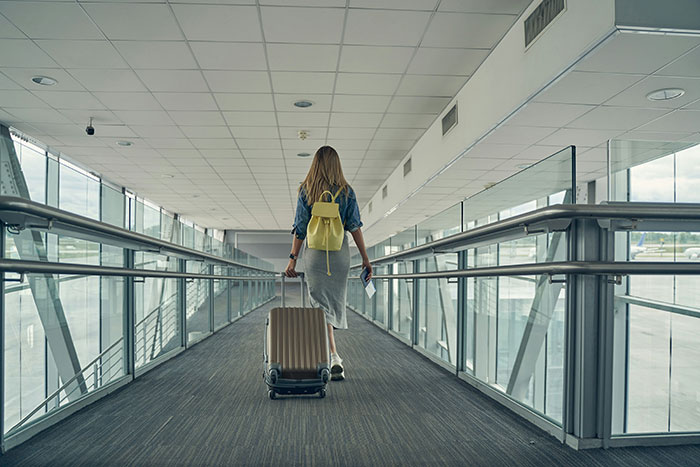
24	213
535	222
46	267
64	386
557	269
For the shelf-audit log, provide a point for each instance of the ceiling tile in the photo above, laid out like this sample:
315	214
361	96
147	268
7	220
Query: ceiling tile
402	104
253	144
356	120
37	115
366	83
23	53
144	117
82	54
550	115
407	120
186	100
100	117
577	137
350	133
168	143
250	118
382	27
238	81
307	3
219	22
197	118
173	80
381	144
427	85
229	55
68	99
354	103
466	30
108	80
241	102
261	132
128	100
508	134
616	118
24	76
424	5
485	6
299	82
156	55
687	65
678	121
134	21
441	61
214	143
636	53
409	134
41	20
635	96
157	131
282	24
8	31
306	57
303	119
375	59
587	88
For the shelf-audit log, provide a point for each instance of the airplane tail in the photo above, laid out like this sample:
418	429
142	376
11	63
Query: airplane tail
641	240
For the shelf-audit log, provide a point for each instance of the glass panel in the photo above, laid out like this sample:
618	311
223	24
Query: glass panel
197	308
402	301
79	193
33	162
220	298
444	224
113	204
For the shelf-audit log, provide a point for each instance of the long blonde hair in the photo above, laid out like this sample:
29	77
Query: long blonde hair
325	173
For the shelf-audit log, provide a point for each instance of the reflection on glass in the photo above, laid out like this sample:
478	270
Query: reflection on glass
197	303
402	301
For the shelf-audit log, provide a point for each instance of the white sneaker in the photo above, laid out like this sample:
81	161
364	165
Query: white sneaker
337	370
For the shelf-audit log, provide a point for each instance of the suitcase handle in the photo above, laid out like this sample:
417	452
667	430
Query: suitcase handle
302	283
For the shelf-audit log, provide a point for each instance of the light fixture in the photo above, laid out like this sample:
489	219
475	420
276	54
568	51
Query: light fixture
44	80
125	144
665	94
303	104
303	154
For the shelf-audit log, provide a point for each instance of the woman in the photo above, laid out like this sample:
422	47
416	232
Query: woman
328	292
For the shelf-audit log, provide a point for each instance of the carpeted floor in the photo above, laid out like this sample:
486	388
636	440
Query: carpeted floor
209	406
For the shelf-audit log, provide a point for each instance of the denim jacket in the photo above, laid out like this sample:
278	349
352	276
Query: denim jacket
349	212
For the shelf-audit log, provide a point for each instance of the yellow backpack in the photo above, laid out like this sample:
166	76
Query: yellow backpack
325	230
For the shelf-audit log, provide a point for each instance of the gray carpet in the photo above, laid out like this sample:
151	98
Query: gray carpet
209	406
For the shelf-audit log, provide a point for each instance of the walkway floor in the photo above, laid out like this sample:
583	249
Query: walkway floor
209	406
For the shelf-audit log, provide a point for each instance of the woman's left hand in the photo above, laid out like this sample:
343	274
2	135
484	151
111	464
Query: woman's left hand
290	272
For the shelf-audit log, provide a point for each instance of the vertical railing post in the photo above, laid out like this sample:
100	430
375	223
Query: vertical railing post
182	302
229	285
461	312
2	344
414	321
212	297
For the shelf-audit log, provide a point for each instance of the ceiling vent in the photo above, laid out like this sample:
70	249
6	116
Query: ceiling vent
407	167
385	191
541	17
449	120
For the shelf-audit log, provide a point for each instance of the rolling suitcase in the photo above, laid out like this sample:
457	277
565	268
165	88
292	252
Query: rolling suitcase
296	355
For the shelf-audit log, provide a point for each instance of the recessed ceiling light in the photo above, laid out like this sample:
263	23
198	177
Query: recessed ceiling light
44	80
303	104
126	144
665	94
303	154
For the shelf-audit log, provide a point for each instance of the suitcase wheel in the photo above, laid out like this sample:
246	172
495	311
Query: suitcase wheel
322	393
273	376
272	394
325	375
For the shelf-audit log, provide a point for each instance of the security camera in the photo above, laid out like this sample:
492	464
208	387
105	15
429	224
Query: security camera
90	130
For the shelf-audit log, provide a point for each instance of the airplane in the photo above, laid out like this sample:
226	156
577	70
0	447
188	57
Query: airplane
639	247
692	253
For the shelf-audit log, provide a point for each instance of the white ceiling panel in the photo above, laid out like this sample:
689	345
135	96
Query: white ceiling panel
134	21
246	144
423	5
302	82
81	117
519	135
302	119
307	57
40	115
448	30
637	53
379	27
357	120
196	118
408	134
83	54
229	55
635	96
350	133
144	117
424	105
687	65
238	81
440	61
250	118
23	53
678	121
379	144
173	80
580	87
367	83
219	22
157	131
550	115
394	120
485	6
8	31
23	76
156	55
255	132
366	59
41	20
108	80
186	100
367	104
577	137
244	102
428	85
616	118
214	143
282	24
169	143
67	99
128	100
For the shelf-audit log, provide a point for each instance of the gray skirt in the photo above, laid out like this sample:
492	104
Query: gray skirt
328	292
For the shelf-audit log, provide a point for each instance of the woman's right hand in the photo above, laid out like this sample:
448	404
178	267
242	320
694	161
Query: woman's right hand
366	265
290	272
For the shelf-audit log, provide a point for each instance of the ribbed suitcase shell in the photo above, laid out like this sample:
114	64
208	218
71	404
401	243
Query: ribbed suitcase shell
297	340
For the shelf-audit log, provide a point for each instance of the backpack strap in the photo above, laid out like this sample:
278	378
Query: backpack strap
320	198
336	194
